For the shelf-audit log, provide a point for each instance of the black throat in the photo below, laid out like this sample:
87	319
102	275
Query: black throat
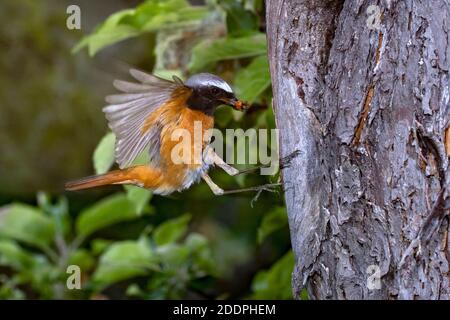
201	102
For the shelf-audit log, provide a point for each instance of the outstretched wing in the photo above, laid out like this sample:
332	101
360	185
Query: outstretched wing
127	114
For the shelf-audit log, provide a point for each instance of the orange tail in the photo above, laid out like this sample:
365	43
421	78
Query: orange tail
112	177
142	175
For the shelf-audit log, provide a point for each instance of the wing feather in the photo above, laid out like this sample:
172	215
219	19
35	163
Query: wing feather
149	78
122	98
127	114
130	87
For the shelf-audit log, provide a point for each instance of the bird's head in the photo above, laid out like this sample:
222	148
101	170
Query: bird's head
209	91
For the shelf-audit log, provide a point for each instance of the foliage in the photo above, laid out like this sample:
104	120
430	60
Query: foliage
131	241
103	155
252	81
38	253
208	52
114	209
150	16
272	221
275	283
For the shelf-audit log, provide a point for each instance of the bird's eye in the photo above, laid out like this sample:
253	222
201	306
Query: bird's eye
215	90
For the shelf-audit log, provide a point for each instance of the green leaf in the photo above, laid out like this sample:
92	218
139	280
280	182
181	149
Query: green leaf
254	5
98	246
203	262
106	37
9	290
210	51
139	197
240	21
270	118
175	16
11	254
173	255
304	294
276	282
83	259
193	255
27	224
133	290
172	230
150	16
107	33
59	211
104	153
114	209
124	260
273	221
168	74
253	80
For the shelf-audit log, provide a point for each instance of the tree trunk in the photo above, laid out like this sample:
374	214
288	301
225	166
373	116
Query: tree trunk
366	101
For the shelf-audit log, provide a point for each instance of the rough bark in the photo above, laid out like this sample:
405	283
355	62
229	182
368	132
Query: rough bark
369	111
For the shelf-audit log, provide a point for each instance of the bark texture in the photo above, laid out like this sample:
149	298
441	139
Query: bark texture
369	110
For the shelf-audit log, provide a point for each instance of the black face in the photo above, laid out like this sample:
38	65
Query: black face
209	98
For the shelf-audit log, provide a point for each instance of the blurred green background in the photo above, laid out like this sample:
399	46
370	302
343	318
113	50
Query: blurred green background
127	242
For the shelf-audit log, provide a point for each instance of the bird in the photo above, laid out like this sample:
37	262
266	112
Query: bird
146	114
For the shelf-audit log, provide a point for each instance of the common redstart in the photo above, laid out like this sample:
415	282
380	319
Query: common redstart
148	114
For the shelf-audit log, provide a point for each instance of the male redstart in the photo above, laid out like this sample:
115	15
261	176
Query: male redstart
148	114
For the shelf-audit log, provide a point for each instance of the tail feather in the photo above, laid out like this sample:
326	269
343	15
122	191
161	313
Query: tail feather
113	177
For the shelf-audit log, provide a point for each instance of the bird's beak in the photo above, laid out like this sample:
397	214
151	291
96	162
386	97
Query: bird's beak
236	104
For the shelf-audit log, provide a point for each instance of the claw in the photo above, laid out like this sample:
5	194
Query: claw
268	188
260	189
285	162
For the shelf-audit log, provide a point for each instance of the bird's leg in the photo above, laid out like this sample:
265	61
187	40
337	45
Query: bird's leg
218	161
214	187
271	187
232	171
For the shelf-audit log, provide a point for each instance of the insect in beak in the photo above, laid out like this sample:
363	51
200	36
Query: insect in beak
236	103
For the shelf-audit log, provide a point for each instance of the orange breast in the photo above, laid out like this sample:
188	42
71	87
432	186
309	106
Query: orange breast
184	135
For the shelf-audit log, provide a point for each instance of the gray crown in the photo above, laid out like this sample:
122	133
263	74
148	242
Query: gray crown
207	80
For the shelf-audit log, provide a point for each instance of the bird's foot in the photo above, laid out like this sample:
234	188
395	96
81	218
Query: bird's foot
285	162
